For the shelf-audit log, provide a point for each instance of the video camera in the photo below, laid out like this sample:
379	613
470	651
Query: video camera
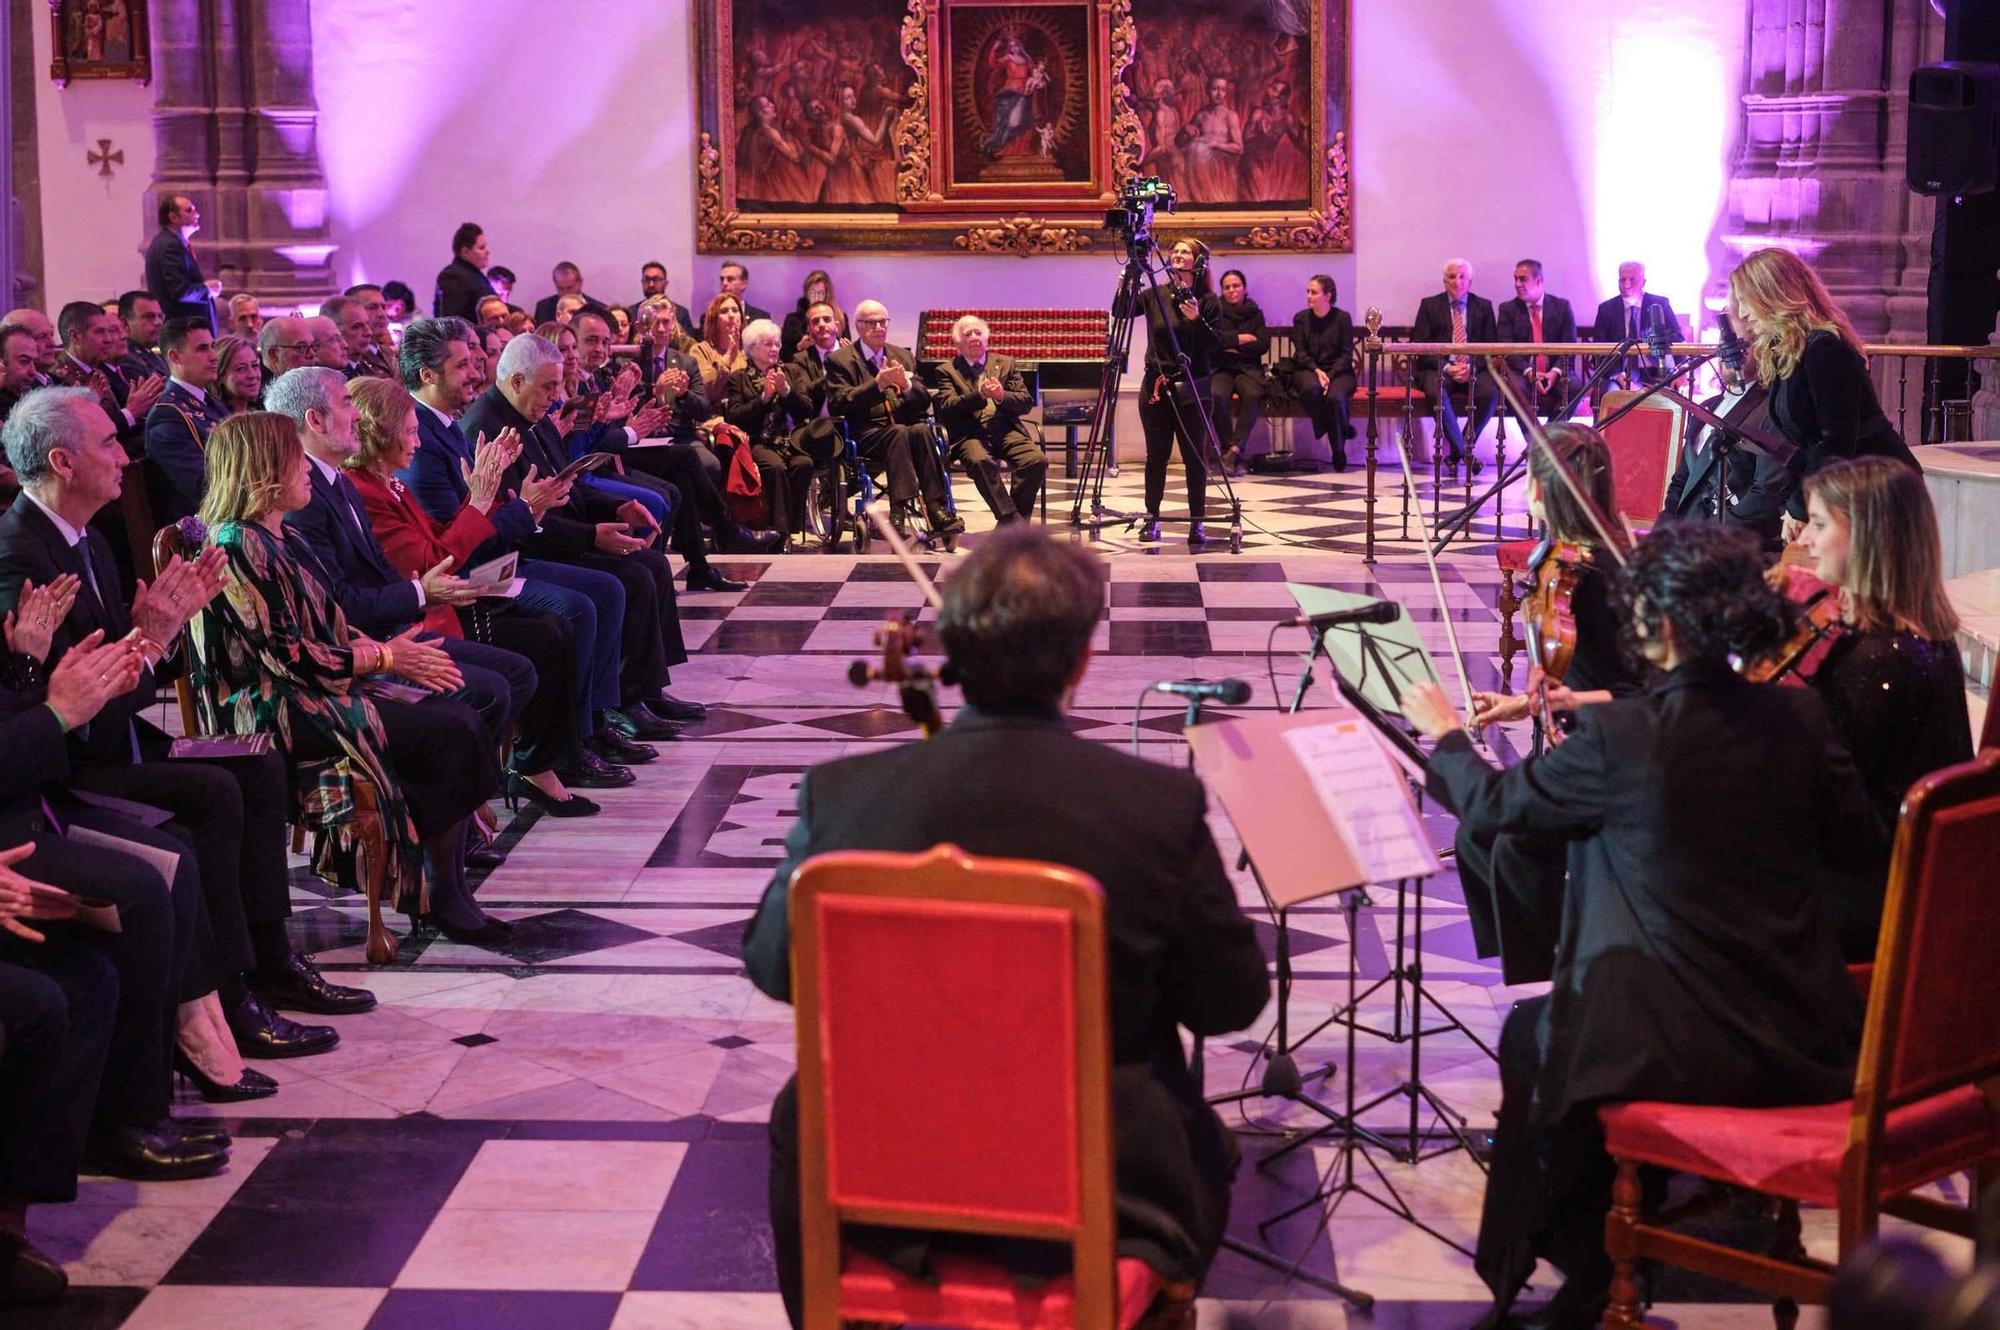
1137	201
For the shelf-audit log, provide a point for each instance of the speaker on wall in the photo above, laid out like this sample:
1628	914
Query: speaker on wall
1954	146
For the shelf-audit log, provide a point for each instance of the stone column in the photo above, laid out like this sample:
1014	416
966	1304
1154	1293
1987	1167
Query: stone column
1820	169
237	129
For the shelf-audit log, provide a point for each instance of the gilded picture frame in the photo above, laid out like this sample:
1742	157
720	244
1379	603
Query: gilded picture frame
99	39
1009	126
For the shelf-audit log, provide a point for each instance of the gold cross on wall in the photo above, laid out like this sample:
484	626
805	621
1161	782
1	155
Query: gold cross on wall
104	157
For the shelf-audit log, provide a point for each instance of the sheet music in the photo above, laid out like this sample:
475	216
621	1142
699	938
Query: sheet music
1365	794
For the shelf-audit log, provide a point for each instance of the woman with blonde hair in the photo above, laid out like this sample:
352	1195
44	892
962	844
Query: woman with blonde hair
719	353
273	654
1892	682
1809	358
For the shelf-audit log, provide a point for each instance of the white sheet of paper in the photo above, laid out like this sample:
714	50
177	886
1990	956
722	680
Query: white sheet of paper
1364	792
493	576
503	591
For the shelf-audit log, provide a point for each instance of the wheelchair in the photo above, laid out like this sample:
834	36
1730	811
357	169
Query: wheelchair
840	491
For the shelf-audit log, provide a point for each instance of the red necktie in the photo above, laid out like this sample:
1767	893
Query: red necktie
1535	322
1457	329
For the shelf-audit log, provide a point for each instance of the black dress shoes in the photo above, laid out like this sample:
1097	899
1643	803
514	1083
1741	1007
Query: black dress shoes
263	1033
484	857
147	1155
749	540
667	708
707	579
592	772
638	723
28	1278
195	1131
1149	531
487	934
612	746
299	986
1197	536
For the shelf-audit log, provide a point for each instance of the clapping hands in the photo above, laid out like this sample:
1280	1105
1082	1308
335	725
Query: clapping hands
32	623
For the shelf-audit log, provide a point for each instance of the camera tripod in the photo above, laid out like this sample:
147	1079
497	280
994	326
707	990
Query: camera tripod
1140	277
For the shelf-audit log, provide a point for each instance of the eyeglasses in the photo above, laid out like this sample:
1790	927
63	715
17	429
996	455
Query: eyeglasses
293	346
873	323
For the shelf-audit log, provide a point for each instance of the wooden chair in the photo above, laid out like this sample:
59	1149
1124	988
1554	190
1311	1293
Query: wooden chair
1926	1099
371	853
954	1074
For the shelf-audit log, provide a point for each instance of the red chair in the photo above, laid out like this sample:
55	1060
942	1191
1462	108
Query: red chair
954	1074
1926	1099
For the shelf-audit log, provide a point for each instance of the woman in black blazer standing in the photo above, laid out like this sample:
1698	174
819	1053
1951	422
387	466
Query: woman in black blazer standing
1809	358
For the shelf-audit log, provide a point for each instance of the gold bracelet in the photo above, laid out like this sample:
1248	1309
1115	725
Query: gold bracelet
386	662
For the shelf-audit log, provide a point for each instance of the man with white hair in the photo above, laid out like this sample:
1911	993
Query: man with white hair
981	398
1456	315
284	345
874	387
1628	316
246	317
329	347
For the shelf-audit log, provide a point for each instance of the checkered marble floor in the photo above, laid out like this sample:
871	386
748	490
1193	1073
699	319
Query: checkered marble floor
568	1131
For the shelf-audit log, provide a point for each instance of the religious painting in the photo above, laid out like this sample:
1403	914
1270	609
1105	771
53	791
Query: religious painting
1221	91
1017	105
100	39
1010	126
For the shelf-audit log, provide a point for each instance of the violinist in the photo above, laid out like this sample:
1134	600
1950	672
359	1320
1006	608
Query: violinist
1696	963
1808	357
1016	622
1513	880
1892	682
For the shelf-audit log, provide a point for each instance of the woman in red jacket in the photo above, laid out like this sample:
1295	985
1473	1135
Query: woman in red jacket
415	543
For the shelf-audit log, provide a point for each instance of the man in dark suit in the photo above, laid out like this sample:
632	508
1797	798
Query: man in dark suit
1534	316
569	282
86	1047
653	286
981	398
1456	315
1691	968
1757	484
142	318
593	531
734	280
178	425
462	281
234	810
93	341
172	274
875	388
1629	315
1017	622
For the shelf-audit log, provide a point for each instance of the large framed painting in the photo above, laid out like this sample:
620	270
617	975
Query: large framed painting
1009	126
99	39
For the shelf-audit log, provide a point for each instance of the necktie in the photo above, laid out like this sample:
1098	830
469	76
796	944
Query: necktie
82	548
1457	327
1535	323
1631	321
349	500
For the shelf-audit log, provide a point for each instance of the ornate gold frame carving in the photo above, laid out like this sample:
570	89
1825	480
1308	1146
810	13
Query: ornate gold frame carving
926	220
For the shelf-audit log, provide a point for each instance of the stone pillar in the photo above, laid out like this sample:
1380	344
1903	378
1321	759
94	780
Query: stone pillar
237	129
1820	169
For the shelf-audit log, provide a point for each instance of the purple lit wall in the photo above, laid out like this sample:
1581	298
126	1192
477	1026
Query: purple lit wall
1573	131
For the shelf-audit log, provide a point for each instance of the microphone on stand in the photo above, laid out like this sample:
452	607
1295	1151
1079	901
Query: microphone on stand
1228	692
1732	349
1375	611
1659	339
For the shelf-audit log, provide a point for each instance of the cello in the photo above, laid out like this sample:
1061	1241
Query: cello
899	638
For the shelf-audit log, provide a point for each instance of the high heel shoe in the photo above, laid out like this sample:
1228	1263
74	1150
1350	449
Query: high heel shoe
519	787
252	1085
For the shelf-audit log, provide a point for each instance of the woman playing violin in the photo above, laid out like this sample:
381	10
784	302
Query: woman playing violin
1893	683
1596	671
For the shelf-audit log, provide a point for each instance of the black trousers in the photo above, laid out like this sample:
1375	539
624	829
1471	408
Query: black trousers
1513	885
1248	387
1167	424
56	1023
692	469
909	463
498	684
1549	1187
149	955
652	641
1481	400
978	452
786	470
232	812
1326	407
547	719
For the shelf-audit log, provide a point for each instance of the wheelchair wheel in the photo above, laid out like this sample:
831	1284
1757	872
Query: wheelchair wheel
863	533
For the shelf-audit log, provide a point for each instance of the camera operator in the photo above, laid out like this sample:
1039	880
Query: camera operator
1181	320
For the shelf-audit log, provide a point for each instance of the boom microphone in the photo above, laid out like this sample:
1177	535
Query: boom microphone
1731	349
1375	611
1658	339
1229	692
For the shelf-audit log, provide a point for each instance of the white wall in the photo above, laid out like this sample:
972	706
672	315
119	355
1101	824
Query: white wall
94	231
1568	130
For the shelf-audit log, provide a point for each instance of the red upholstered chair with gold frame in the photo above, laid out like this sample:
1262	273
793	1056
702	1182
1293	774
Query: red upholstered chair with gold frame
1645	447
1926	1099
954	1075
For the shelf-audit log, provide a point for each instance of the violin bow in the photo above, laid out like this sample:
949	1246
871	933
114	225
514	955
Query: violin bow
878	513
1615	539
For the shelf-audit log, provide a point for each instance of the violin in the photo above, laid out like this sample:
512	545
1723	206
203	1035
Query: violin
900	638
1822	622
